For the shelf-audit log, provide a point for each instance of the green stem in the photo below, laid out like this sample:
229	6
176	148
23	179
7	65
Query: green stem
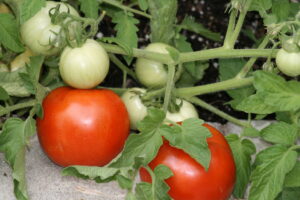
123	7
218	112
152	94
252	60
169	87
194	56
118	91
149	170
123	67
230	28
17	107
213	87
239	24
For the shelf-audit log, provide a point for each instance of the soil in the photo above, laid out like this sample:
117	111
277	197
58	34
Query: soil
213	15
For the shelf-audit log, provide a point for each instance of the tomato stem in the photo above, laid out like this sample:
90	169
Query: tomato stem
169	87
127	8
122	66
222	114
18	106
230	28
214	87
150	171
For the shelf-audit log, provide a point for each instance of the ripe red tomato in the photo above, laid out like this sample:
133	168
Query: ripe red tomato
190	180
83	127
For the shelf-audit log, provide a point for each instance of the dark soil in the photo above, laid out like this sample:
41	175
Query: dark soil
212	14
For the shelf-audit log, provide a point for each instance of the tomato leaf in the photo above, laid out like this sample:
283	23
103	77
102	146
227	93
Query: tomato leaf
158	189
145	144
242	150
89	8
227	70
29	8
281	9
13	84
3	94
292	178
13	141
280	133
9	33
126	30
289	194
143	4
190	24
183	137
163	18
271	166
99	174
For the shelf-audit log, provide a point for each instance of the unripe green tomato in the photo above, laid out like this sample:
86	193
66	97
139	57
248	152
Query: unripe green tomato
38	30
186	111
135	107
84	67
288	63
149	72
138	111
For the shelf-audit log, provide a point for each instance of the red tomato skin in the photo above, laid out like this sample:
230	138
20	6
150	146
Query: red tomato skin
190	180
83	127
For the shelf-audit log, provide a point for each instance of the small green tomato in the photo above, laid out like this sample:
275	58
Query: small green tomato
288	62
149	72
38	31
84	67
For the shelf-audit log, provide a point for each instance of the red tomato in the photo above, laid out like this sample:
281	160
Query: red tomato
83	127
190	180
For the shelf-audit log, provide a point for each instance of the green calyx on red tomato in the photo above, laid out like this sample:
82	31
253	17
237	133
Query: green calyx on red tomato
190	180
84	67
137	110
151	73
39	31
83	127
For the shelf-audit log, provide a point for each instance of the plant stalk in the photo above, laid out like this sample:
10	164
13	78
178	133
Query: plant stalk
18	106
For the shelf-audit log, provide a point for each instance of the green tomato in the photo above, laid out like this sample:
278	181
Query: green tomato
38	30
149	72
186	111
288	63
84	67
135	107
137	110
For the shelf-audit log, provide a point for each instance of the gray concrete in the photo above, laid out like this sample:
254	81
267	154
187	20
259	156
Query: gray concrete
46	183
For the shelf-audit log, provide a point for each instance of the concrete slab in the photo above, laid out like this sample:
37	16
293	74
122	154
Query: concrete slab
45	182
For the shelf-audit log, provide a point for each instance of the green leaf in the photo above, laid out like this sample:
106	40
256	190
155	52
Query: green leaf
280	133
242	150
250	132
3	94
281	8
145	144
13	141
99	174
261	6
143	4
29	8
192	71
191	138
227	70
9	33
124	182
126	30
163	19
289	194
272	165
190	24
13	84
158	189
89	8
292	179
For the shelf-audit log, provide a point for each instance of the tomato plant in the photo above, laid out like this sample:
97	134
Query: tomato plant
21	60
149	72
84	67
40	34
190	180
288	62
82	127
